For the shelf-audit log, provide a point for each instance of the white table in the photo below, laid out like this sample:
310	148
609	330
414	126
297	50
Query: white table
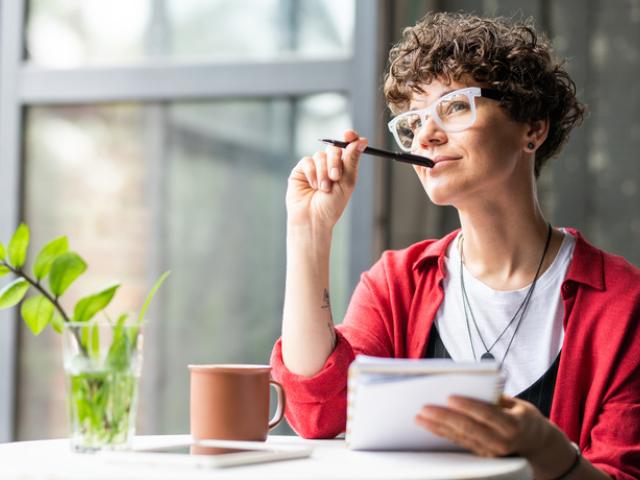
53	459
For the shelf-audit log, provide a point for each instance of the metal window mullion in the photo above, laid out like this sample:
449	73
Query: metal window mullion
156	142
11	29
159	81
365	110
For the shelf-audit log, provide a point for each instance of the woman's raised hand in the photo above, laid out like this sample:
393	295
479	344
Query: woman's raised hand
320	186
319	190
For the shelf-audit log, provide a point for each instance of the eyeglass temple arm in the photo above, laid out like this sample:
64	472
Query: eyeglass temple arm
491	93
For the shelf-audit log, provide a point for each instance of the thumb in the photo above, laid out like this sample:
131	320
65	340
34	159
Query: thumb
351	158
506	401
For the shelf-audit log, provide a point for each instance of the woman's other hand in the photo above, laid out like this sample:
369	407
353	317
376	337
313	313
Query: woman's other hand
511	427
320	186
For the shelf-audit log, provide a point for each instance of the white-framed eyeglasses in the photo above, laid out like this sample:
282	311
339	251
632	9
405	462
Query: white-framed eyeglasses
452	112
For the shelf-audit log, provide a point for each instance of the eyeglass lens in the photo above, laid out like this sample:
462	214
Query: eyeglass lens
454	113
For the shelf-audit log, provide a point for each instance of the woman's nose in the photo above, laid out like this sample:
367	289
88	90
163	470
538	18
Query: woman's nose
430	133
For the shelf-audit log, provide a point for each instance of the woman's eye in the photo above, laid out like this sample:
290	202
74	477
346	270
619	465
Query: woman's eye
405	131
456	107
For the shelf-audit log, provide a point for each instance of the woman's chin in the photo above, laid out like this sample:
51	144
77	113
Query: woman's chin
439	194
441	202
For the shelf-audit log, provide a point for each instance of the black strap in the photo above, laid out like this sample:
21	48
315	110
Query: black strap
540	393
574	465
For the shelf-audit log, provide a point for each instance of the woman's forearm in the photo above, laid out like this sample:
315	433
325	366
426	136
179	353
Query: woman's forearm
308	335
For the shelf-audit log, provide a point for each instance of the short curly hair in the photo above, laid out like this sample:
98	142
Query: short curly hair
505	55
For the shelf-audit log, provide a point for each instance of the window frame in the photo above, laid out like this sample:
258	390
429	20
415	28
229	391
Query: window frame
23	85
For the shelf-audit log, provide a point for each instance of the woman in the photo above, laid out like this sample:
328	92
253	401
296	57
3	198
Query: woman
488	103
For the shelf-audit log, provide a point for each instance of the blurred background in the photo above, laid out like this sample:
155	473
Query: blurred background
159	134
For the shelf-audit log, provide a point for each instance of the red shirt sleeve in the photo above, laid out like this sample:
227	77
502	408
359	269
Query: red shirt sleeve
614	444
316	407
614	440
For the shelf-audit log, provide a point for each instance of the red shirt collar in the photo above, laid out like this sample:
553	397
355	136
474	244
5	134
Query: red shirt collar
587	265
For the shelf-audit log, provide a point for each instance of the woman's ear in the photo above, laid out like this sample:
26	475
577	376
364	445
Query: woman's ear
537	132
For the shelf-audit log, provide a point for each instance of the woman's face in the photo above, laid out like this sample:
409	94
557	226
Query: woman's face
487	158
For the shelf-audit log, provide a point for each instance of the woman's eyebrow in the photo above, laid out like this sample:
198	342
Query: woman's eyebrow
411	107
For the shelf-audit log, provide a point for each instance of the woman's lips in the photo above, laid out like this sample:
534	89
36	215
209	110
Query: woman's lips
444	159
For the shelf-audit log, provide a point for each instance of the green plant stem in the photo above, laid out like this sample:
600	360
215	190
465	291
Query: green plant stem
19	272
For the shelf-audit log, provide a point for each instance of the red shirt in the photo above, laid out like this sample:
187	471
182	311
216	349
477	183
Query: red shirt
597	395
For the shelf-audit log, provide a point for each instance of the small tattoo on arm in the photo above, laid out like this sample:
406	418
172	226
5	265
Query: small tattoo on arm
326	301
326	304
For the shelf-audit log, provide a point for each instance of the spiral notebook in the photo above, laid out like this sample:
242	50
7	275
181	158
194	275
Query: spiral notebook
385	394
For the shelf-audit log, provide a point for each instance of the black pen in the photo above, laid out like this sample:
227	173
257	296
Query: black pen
401	157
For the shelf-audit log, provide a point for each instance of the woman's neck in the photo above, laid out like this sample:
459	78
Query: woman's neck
503	244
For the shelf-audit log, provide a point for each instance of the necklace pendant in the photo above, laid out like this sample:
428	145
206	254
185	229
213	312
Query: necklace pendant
487	356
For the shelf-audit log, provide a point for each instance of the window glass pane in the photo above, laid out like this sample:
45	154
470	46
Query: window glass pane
223	27
65	33
227	171
86	178
197	187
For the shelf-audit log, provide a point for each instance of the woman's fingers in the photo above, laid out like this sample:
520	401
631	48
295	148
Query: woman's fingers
506	401
333	165
322	171
351	155
519	423
350	135
444	431
320	186
463	429
512	426
334	158
308	167
486	413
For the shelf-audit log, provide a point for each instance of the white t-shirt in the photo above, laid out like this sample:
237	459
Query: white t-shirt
539	338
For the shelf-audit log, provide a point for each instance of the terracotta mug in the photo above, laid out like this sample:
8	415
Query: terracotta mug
231	402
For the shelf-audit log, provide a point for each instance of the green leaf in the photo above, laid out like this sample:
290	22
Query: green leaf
18	246
120	350
88	306
122	319
11	294
3	252
57	322
37	312
124	340
4	270
155	288
65	269
47	255
84	337
94	346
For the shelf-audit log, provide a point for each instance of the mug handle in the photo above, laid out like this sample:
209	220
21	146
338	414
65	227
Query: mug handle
279	415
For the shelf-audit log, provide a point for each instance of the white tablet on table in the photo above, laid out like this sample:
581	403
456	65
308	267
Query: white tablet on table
209	454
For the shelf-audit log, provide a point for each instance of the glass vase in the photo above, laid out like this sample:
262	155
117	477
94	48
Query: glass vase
102	364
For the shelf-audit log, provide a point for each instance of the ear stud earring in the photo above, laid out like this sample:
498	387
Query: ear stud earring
531	146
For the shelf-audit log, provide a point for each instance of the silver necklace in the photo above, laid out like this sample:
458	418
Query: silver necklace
487	355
